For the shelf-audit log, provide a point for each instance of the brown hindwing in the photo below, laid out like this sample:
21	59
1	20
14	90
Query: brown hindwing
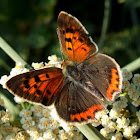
105	74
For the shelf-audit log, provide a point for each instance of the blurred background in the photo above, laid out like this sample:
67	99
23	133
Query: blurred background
29	26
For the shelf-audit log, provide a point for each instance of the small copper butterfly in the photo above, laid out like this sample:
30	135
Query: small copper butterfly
86	79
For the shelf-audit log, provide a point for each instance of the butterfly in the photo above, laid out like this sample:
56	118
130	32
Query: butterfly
86	79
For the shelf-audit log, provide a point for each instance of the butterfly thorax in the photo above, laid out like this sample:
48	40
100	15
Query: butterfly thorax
71	70
81	74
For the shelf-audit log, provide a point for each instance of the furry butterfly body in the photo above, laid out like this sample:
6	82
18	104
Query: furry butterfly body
84	82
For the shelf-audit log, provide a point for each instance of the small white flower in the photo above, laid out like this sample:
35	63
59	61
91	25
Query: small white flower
46	112
34	133
134	96
49	135
54	61
117	136
41	138
54	114
25	113
114	113
18	69
134	138
116	105
54	124
6	129
99	114
135	127
27	122
138	115
111	127
105	120
6	117
138	89
125	85
128	132
104	132
18	100
131	88
37	110
65	125
122	122
96	122
63	135
43	123
126	75
136	79
124	101
3	81
75	135
136	103
10	137
37	65
20	136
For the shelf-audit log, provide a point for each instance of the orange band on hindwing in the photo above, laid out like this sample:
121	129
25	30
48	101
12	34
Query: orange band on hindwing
114	84
88	114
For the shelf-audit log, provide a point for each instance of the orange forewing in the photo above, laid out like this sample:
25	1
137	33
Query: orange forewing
75	43
39	86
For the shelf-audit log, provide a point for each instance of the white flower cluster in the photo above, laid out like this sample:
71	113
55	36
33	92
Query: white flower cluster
122	118
8	131
40	125
37	122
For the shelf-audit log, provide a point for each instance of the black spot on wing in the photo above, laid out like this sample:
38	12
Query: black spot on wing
45	101
35	86
27	86
48	92
47	76
67	30
71	31
69	49
37	79
38	92
68	39
26	82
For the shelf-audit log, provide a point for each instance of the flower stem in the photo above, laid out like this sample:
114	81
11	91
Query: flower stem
90	132
11	52
10	106
23	105
107	7
134	65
